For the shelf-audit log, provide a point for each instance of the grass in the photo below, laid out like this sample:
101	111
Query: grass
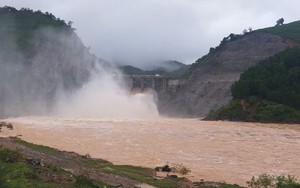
94	163
15	172
40	148
83	181
141	174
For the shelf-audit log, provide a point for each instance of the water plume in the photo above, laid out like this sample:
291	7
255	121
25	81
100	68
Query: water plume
106	96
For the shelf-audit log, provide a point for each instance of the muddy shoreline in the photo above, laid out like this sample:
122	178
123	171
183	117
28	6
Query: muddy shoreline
214	151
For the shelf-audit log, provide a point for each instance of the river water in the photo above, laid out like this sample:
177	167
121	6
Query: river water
214	150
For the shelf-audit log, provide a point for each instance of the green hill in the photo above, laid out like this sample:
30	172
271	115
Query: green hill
40	56
131	70
267	92
168	68
209	79
21	25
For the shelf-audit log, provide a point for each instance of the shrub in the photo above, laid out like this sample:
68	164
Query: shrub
232	111
83	180
7	125
181	169
270	181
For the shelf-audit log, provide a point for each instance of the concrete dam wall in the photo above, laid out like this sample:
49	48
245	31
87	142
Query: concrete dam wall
158	83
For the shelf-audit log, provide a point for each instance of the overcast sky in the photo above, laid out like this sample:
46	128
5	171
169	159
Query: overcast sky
141	31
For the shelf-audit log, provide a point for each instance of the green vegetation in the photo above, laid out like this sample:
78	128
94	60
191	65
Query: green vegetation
232	112
94	163
267	92
7	125
131	70
22	24
173	69
270	181
41	52
181	169
141	174
15	172
83	181
18	171
288	31
40	148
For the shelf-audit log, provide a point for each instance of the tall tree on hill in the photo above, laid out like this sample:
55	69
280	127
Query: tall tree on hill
279	22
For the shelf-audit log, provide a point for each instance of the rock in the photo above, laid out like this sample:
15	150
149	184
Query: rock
35	162
172	176
166	168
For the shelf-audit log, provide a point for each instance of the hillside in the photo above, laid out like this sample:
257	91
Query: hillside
208	81
288	31
40	56
169	68
267	92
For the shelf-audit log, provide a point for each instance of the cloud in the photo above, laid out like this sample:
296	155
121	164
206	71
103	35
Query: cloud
141	31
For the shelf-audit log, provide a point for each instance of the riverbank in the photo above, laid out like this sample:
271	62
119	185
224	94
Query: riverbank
214	151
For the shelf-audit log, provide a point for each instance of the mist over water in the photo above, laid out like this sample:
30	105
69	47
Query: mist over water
58	76
106	96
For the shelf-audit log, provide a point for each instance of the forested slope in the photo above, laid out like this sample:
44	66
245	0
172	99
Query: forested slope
267	92
40	56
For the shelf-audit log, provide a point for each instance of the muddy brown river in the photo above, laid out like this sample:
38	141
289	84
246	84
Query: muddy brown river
217	151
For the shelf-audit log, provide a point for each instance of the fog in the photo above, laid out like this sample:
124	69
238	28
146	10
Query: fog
57	75
106	96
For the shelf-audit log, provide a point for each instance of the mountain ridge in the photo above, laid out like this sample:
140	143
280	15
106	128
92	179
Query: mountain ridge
171	68
40	57
208	83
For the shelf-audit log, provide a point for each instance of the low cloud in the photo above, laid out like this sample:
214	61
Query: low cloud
141	31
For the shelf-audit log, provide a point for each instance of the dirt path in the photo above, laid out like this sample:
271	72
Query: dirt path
215	151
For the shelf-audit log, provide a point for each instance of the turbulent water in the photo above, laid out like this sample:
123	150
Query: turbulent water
217	151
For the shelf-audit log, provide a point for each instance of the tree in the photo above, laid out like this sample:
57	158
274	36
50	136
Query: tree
70	23
279	22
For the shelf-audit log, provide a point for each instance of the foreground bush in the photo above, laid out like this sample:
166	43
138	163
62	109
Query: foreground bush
272	181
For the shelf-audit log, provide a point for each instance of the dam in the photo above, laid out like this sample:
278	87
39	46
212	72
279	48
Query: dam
158	83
